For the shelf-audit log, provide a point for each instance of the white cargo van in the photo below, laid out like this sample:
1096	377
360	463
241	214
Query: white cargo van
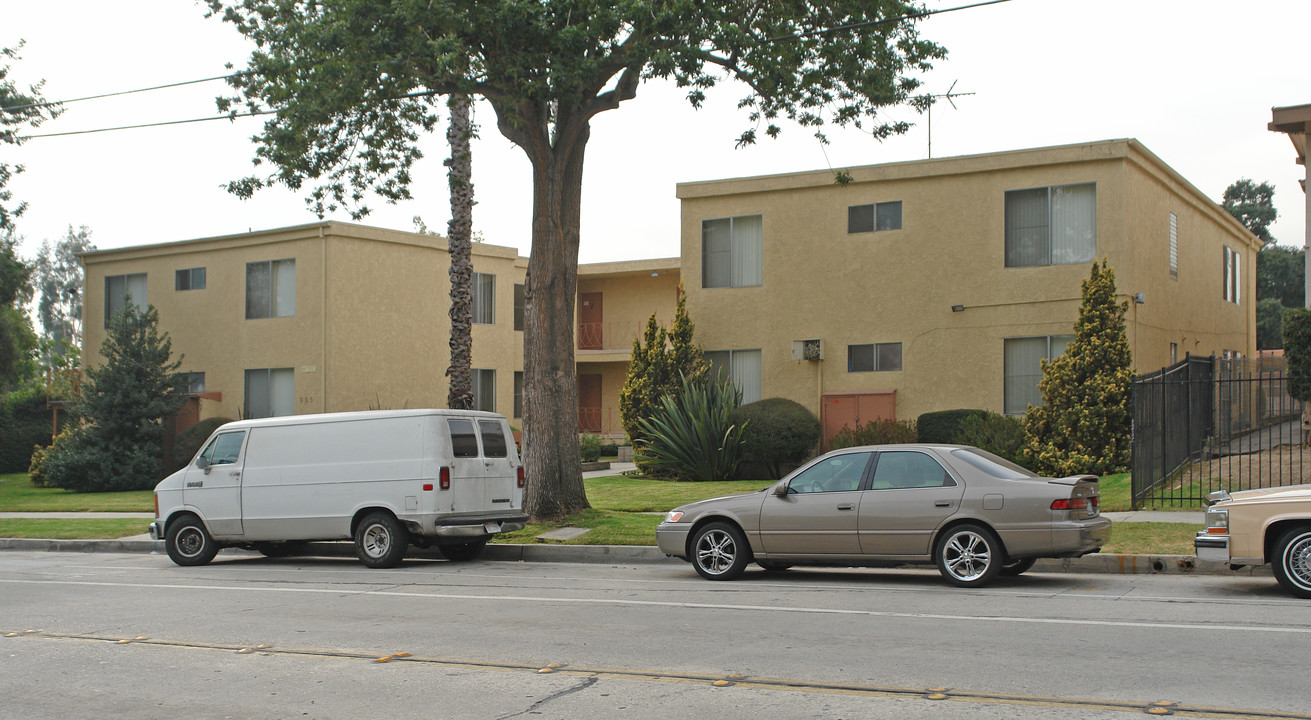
385	479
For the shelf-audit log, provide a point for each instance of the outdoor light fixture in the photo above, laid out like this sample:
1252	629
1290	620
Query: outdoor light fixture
1140	298
958	308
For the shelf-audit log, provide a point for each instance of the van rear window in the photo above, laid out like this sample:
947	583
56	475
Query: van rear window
464	444
493	439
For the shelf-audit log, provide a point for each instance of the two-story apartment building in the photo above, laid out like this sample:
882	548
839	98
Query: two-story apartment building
941	283
917	286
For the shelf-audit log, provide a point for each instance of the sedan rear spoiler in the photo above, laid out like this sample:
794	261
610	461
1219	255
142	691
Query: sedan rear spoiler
1073	479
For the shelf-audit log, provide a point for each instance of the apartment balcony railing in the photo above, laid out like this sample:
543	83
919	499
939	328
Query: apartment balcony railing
609	335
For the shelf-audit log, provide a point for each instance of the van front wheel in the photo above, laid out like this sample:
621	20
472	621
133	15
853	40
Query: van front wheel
463	552
189	543
380	541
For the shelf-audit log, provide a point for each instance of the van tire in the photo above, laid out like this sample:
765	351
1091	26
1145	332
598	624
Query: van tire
188	542
381	540
463	552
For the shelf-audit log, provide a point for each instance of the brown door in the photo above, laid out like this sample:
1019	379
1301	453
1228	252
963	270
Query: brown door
589	403
589	322
852	409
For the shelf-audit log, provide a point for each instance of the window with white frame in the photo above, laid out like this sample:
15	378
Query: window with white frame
731	252
875	357
189	279
270	392
1231	277
484	299
270	289
122	289
1054	225
874	217
740	367
1023	361
484	389
1174	246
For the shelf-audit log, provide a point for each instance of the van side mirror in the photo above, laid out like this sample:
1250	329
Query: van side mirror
202	462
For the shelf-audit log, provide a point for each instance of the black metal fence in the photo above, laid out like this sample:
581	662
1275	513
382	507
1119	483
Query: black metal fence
1209	423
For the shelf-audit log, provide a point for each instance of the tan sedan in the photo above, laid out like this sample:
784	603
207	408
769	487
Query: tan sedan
973	514
1254	527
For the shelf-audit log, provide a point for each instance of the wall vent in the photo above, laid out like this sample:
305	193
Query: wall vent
808	349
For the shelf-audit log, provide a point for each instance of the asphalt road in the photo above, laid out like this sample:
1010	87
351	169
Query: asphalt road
132	635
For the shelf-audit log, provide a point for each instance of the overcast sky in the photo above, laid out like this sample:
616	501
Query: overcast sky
1193	80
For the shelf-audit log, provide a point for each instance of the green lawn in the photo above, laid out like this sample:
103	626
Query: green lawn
631	494
17	494
62	529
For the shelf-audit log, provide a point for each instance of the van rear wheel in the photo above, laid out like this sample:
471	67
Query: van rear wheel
463	552
380	541
189	543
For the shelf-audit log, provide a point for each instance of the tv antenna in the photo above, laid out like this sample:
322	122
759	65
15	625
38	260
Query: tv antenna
949	95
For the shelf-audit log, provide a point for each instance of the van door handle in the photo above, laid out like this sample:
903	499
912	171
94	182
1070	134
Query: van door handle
847	507
235	474
942	503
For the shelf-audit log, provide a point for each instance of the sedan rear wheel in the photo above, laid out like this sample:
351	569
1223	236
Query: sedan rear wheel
969	556
1292	561
1017	567
719	552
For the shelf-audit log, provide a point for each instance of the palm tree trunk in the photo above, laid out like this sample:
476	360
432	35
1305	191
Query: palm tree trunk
459	236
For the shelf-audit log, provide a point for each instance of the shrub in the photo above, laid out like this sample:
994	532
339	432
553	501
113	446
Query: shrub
692	436
188	442
24	423
609	450
782	432
877	432
944	426
589	447
998	434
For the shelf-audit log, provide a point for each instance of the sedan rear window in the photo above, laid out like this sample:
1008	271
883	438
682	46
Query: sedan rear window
993	465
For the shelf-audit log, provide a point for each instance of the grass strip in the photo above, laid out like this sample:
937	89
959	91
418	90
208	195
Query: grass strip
18	494
72	529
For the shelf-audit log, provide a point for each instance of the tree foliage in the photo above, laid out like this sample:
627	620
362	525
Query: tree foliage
120	444
350	85
17	341
660	358
57	280
1297	350
1253	205
1084	423
20	110
1269	324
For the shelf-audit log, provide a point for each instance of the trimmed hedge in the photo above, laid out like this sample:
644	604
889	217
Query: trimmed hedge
944	426
24	424
779	432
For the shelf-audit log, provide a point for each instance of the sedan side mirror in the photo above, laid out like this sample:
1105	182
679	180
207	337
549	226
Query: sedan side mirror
781	489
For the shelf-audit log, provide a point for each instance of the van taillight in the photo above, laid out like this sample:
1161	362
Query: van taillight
445	478
521	480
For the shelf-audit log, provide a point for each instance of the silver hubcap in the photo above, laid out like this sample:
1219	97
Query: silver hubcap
967	556
376	541
715	552
1297	559
190	542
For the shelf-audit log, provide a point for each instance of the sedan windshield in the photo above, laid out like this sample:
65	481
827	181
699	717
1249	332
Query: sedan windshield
993	465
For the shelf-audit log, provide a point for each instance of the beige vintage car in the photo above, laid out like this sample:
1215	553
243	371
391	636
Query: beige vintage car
973	514
1254	527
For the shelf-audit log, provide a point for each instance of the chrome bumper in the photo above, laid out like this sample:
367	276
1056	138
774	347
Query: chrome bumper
1212	547
473	527
156	530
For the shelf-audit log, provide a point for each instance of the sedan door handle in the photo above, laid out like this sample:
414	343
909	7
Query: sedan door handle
847	507
942	503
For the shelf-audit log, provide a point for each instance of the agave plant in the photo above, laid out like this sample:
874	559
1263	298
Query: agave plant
692	434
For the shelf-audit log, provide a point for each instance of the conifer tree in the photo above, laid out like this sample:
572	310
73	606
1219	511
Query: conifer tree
1084	425
660	358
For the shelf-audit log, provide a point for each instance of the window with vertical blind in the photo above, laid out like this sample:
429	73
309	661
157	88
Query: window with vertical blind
731	251
741	367
1174	246
270	289
270	392
484	299
1023	361
1054	225
484	389
122	289
1231	277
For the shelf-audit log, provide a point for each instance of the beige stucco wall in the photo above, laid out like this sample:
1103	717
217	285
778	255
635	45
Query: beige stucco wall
900	285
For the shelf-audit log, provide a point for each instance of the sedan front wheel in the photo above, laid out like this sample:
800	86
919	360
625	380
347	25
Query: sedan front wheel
720	552
969	556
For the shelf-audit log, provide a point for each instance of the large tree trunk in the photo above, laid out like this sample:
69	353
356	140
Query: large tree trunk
458	233
555	482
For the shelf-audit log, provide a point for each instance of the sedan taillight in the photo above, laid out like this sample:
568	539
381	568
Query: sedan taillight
1071	504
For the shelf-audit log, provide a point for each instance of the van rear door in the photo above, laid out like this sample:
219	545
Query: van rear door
467	470
500	484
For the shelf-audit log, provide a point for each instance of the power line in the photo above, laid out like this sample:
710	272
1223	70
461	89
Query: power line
50	103
871	23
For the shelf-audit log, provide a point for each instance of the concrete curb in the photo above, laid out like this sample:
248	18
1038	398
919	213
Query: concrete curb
643	554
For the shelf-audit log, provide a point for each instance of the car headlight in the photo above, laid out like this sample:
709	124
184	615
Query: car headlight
673	516
1217	521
